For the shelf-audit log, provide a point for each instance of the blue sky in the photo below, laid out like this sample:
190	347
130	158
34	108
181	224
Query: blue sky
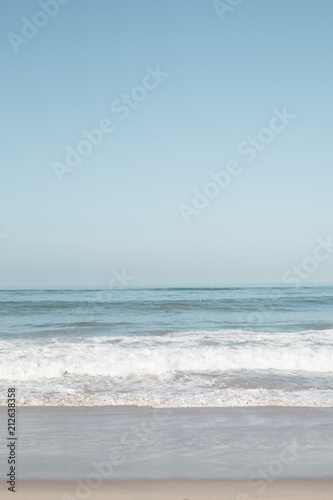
119	208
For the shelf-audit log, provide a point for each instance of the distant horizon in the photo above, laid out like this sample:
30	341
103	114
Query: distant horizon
174	286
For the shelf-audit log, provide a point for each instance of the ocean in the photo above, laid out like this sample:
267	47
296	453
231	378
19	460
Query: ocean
168	347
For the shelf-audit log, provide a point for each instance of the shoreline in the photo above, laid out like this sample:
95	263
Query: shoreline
3	404
290	489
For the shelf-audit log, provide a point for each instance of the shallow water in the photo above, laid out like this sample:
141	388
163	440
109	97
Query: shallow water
226	443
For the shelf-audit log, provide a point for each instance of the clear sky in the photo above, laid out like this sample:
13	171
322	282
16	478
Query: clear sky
185	91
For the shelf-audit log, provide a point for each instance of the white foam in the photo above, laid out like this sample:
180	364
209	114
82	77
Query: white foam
56	396
177	369
36	362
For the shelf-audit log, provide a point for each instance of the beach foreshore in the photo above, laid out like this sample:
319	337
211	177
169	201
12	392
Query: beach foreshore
294	489
142	453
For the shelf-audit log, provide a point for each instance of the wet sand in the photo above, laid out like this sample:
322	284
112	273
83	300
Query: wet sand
175	490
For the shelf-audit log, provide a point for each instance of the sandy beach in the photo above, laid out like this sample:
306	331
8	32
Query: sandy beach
176	490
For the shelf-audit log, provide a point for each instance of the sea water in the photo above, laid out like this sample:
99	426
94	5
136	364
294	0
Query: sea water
168	347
